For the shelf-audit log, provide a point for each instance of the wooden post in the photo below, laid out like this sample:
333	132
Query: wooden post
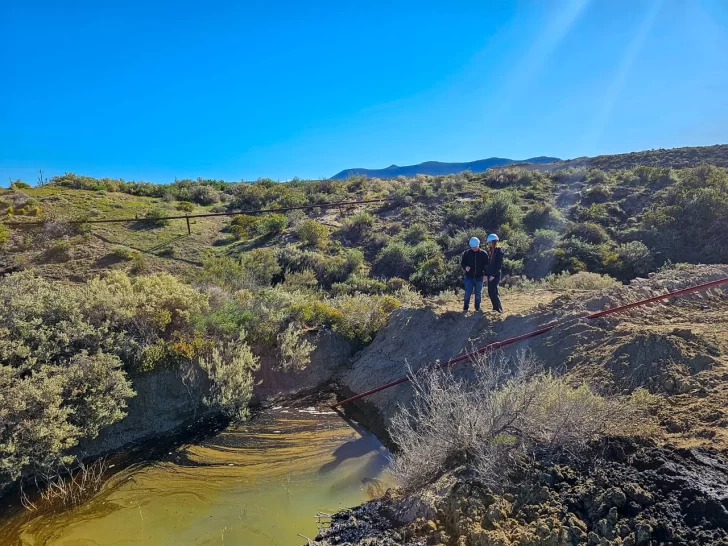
189	231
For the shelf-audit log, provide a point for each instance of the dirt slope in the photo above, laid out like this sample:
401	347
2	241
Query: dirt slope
678	348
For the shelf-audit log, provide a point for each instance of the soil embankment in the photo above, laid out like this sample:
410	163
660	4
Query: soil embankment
170	399
677	348
670	491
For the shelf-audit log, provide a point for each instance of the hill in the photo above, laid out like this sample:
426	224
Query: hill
676	158
435	168
113	303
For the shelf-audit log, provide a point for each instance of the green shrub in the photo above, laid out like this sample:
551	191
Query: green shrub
224	272
589	232
516	244
261	265
157	216
185	206
362	316
599	193
226	320
632	260
122	253
357	226
230	371
414	234
313	233
48	411
244	226
498	209
301	280
4	234
690	220
294	349
394	260
544	216
204	195
59	251
272	224
544	240
138	263
315	313
432	275
20	185
356	283
575	255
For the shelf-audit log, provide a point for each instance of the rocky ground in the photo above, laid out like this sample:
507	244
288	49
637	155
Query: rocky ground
670	490
626	494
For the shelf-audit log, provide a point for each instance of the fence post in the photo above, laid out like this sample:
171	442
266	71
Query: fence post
189	231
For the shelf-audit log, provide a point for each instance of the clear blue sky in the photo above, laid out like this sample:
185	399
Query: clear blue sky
239	90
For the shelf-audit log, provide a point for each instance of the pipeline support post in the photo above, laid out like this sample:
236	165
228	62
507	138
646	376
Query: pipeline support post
189	231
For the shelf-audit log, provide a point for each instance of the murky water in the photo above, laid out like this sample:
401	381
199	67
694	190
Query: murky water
258	484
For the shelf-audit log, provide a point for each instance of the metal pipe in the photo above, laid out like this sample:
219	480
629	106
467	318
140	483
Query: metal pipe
206	215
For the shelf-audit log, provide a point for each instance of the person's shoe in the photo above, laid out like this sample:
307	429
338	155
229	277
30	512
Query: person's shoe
477	308
465	309
500	311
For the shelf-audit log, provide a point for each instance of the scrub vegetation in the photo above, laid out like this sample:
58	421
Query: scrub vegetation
84	307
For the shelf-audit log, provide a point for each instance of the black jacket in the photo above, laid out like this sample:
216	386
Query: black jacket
493	269
476	261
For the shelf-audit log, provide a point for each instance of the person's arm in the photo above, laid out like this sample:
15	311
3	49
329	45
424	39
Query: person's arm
499	259
464	262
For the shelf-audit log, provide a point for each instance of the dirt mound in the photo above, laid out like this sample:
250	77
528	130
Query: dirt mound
627	495
678	347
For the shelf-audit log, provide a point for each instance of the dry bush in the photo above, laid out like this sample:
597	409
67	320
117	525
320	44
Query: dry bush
583	280
55	228
493	422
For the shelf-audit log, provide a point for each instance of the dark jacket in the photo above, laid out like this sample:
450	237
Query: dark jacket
476	261
494	268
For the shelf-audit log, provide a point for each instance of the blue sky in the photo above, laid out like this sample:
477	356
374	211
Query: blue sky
241	90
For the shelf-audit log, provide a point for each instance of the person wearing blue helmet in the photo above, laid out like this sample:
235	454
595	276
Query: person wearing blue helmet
473	263
493	271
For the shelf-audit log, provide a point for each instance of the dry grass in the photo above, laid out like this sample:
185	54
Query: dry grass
67	488
495	421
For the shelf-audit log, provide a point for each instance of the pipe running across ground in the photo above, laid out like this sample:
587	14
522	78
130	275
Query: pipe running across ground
498	344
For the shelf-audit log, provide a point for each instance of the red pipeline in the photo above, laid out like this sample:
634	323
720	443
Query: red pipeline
543	330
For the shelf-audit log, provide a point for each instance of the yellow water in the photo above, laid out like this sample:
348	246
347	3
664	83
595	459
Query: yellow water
257	484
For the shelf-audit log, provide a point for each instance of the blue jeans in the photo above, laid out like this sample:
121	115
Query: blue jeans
470	285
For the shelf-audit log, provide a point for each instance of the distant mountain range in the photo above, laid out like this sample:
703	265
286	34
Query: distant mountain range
437	167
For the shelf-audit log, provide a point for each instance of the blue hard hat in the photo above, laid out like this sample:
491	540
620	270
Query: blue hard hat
492	237
474	241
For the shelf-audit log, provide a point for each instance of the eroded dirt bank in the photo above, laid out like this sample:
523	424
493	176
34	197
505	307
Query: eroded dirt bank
677	348
671	490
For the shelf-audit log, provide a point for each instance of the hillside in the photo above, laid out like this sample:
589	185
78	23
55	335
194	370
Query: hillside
676	158
101	320
437	168
669	487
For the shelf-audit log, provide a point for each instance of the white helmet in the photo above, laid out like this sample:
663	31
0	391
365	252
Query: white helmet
492	237
474	241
